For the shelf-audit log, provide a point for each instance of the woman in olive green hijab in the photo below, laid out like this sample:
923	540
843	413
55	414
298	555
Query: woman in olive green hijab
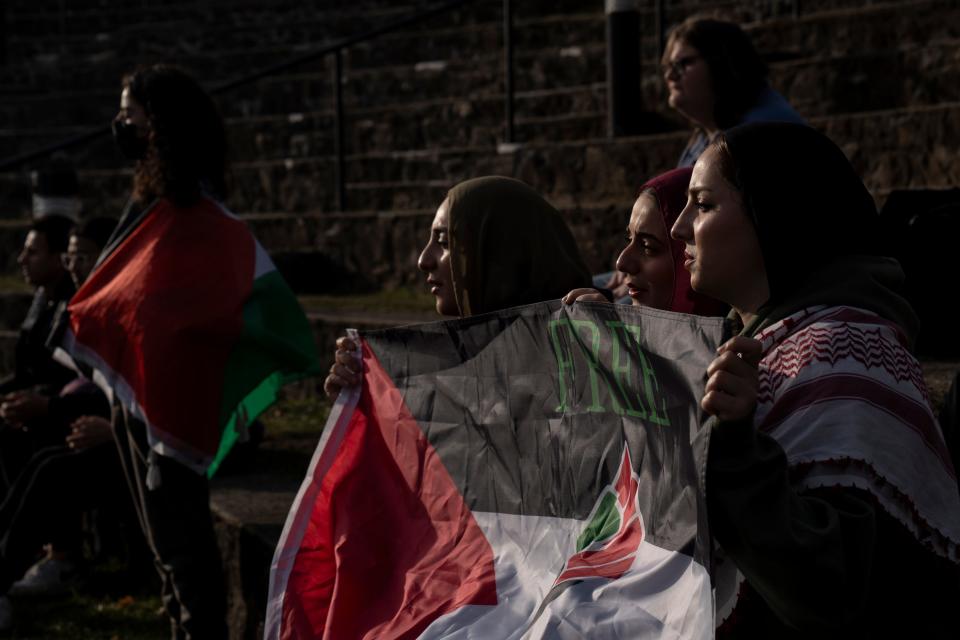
505	246
494	243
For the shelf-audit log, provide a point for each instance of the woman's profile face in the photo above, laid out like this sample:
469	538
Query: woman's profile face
435	262
688	82
722	250
646	260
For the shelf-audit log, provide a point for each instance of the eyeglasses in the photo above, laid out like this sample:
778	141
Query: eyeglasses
679	66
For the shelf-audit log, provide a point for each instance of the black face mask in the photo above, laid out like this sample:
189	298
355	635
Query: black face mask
131	145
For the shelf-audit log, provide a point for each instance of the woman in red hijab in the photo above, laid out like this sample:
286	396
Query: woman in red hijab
652	261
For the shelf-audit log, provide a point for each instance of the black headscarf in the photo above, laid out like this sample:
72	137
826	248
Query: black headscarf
807	203
818	226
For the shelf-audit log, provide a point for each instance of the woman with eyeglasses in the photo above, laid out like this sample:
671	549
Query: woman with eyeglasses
717	80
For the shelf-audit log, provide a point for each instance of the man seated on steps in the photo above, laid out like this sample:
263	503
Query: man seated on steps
82	472
25	394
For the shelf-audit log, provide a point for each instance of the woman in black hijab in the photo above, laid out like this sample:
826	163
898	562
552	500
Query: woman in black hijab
830	492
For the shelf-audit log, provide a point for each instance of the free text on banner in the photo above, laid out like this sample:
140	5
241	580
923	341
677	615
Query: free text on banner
522	474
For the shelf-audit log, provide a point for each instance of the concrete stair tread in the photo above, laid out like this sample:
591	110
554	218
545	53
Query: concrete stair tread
434	153
889	80
457	66
419	172
167	20
252	12
113	183
259	499
876	12
405	42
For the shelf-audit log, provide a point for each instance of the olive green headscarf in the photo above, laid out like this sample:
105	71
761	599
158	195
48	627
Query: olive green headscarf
508	246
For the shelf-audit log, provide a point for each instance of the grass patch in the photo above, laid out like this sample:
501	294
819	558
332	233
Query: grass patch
414	300
296	416
106	607
14	282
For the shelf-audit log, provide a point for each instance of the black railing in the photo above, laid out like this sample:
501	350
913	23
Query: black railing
336	50
508	68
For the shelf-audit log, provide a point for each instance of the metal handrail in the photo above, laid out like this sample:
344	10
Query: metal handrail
336	49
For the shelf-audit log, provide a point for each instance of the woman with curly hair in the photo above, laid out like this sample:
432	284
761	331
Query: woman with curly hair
171	129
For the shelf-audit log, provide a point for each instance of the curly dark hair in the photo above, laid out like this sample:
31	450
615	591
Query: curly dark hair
187	144
737	72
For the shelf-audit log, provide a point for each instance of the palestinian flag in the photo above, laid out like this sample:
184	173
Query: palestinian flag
189	325
522	474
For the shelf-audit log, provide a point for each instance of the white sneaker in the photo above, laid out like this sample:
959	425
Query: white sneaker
47	577
6	614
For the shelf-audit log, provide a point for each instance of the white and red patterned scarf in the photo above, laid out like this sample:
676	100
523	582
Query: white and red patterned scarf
843	396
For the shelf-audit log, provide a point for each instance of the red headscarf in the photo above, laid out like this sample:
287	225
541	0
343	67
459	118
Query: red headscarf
670	191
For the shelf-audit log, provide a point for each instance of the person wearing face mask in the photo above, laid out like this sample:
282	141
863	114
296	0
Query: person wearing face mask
172	132
830	490
192	329
494	243
716	79
178	153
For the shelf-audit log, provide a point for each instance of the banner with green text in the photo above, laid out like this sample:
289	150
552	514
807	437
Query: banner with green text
530	473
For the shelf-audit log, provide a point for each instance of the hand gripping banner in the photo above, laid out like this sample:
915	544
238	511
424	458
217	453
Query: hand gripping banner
530	473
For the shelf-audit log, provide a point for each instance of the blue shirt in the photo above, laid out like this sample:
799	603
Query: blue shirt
770	107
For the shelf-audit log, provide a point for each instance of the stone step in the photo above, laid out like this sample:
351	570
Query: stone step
907	148
193	27
381	88
265	30
813	33
902	148
912	75
298	184
852	29
78	24
104	68
446	121
189	27
907	75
